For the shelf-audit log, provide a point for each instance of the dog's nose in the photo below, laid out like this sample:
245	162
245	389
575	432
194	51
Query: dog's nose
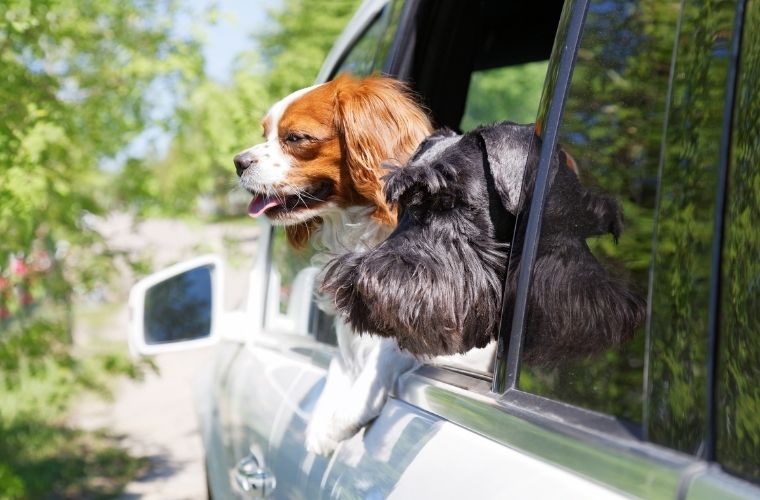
242	162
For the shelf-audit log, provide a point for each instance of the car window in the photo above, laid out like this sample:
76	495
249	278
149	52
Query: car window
369	51
681	282
510	92
611	130
287	262
738	374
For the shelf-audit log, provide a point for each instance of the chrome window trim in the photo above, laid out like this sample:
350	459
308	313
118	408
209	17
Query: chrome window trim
559	434
507	371
711	482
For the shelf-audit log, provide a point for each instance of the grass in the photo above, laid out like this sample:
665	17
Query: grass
43	459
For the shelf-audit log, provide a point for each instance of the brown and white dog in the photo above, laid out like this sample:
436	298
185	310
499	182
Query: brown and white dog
318	174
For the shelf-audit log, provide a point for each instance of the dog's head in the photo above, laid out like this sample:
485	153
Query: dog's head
323	149
436	284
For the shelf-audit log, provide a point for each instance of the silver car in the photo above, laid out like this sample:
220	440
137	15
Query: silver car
658	102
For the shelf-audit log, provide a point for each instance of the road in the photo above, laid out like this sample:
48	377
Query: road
155	417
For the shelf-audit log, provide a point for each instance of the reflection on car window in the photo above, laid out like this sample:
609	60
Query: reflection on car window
511	92
611	128
680	298
286	263
366	54
738	387
291	305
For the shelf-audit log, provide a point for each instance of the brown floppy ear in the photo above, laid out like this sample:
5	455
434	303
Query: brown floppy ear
377	121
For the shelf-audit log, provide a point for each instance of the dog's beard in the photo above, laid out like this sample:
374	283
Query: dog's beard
413	288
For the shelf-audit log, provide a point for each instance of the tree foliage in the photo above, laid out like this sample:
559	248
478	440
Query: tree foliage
77	85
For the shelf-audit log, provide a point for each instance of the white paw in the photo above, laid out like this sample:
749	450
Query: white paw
320	440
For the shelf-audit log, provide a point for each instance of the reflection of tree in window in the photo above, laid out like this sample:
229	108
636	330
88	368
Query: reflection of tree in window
363	57
738	387
179	308
685	222
612	127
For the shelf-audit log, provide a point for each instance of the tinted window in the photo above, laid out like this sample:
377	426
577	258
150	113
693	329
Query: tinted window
369	51
685	220
611	128
738	388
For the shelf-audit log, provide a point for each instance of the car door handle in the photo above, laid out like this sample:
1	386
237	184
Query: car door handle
252	480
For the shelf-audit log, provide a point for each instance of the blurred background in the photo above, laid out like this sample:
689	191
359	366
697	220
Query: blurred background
117	131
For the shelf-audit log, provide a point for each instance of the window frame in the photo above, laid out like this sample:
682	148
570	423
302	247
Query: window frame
714	313
605	433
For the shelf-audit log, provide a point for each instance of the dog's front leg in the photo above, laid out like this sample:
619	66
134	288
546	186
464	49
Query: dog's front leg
380	362
383	364
337	384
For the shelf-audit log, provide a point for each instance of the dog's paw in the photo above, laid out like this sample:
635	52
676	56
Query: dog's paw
319	440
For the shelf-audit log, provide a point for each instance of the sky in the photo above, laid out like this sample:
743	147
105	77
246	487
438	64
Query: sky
232	33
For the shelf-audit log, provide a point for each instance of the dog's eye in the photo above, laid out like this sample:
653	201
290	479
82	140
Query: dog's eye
295	138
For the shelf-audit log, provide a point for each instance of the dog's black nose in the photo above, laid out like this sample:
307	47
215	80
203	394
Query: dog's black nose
242	162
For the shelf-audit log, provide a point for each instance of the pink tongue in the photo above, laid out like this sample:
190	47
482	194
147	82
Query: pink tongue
260	203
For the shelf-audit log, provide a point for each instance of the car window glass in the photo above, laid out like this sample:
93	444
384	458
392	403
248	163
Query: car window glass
611	131
366	54
510	92
680	297
286	263
738	384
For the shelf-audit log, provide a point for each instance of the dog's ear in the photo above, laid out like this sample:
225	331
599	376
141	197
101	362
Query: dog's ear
417	173
377	120
508	147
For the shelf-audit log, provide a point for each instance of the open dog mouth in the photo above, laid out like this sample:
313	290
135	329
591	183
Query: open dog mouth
277	204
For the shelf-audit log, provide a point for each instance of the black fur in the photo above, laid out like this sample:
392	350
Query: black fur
435	285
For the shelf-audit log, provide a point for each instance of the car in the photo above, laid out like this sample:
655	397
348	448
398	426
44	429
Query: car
658	102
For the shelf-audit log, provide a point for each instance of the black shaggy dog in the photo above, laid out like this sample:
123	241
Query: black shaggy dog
435	285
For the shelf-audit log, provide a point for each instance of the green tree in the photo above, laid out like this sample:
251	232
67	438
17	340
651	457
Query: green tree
77	83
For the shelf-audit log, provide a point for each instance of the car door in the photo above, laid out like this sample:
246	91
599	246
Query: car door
437	411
